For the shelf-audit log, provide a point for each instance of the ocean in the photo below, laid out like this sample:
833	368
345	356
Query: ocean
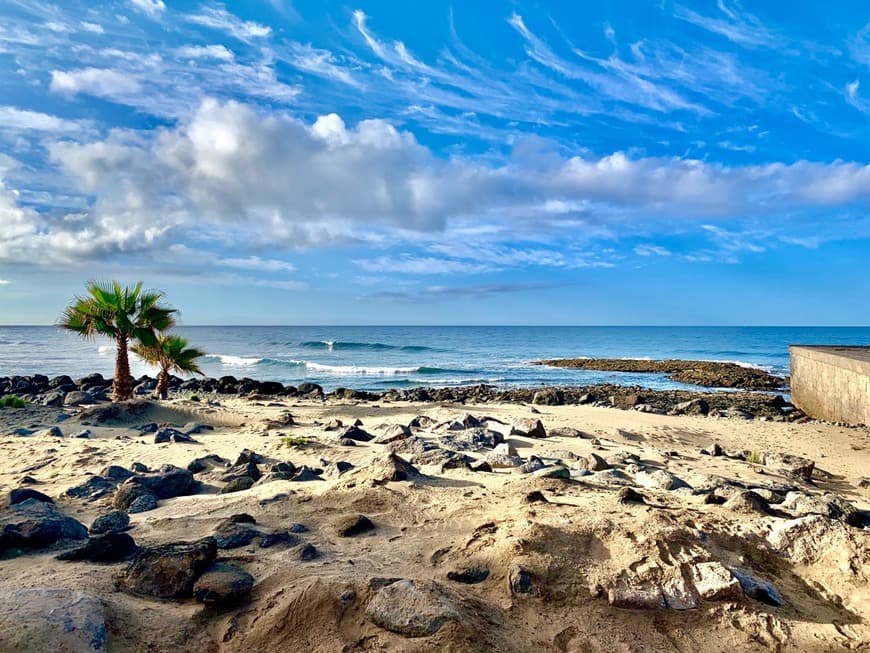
378	358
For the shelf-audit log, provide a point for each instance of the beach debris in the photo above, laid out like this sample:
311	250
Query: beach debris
52	619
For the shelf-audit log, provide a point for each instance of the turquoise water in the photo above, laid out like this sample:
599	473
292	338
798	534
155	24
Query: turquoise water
398	357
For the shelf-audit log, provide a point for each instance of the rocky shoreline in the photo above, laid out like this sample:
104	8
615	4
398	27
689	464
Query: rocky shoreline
711	374
63	391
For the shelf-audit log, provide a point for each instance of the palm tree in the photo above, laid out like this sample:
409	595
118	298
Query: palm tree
170	354
123	314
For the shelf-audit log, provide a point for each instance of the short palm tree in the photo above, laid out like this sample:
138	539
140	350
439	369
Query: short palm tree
170	354
123	314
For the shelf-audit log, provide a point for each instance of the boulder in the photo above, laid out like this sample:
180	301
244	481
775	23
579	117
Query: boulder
207	463
112	522
390	467
714	582
172	482
248	468
116	473
468	575
553	471
111	547
223	585
697	406
357	434
747	502
789	464
529	427
549	397
43	620
472	439
392	433
307	552
52	432
644	596
658	479
33	524
352	525
800	504
143	503
238	484
92	489
22	494
128	492
169	570
595	463
679	595
231	534
806	540
78	398
520	580
758	588
502	461
412	608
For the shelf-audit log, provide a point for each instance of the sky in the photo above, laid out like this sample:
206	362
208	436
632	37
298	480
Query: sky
373	162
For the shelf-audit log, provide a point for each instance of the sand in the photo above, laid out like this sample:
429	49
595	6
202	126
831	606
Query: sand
576	547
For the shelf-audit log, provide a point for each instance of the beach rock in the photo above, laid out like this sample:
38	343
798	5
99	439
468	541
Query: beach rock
747	502
22	432
94	488
143	503
333	425
173	482
223	585
357	434
612	477
758	588
307	552
679	595
789	464
472	439
658	479
529	427
533	464
43	620
78	398
53	399
800	504
392	433
170	570
520	580
207	463
112	522
412	608
714	582
505	449
468	575
238	484
52	432
33	524
22	494
128	492
247	469
549	397
628	495
646	596
390	467
116	473
352	525
83	434
305	474
692	407
336	469
171	435
502	461
139	468
480	466
595	463
232	533
807	540
553	471
422	422
194	428
111	547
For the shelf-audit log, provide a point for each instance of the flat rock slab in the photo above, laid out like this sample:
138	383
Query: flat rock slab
412	608
52	621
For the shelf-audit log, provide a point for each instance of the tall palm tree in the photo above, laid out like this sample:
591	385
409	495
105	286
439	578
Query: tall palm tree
170	354
123	314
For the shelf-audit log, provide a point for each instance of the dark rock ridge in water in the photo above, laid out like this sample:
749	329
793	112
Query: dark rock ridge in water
711	374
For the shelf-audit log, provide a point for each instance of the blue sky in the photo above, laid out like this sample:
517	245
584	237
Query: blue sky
278	162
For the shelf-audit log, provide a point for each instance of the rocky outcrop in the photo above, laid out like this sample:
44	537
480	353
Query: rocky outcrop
412	608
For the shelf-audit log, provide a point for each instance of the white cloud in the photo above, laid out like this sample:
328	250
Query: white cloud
219	18
735	24
651	250
152	8
407	264
268	180
257	263
219	52
93	28
4	282
12	118
100	82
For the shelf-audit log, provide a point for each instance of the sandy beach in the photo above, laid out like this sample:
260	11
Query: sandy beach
558	559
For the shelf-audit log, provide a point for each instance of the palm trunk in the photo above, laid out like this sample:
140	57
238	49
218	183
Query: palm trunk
163	384
122	384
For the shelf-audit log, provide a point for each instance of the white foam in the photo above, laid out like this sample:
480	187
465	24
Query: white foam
235	361
354	370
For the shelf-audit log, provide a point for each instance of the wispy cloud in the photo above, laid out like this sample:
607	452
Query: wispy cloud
99	82
257	263
407	264
13	118
733	23
651	250
152	8
434	293
217	17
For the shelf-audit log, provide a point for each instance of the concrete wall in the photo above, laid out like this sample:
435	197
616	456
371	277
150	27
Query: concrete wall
832	383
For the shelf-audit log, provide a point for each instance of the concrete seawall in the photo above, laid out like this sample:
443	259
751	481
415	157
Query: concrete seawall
831	382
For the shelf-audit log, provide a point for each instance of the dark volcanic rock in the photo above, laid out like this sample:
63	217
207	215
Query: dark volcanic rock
223	585
112	522
469	575
170	570
33	524
22	494
111	547
92	489
352	525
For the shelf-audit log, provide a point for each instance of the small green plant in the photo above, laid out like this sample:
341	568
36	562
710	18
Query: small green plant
12	401
755	458
194	398
294	441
